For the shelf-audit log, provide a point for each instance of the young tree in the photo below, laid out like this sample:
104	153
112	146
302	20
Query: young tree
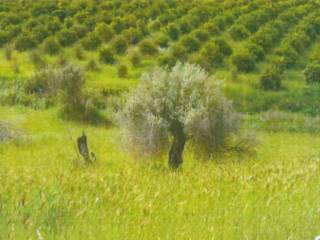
288	54
167	60
185	27
239	32
173	31
79	52
40	33
4	38
179	52
190	43
171	107
67	37
312	73
148	48
256	51
106	55
120	45
92	65
51	46
135	59
224	47
73	101
243	61
163	41
271	80
155	25
210	56
104	31
91	42
133	35
25	42
80	30
118	25
122	71
202	35
212	28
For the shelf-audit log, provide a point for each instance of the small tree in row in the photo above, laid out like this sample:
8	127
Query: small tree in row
25	42
148	48
271	80
51	46
122	71
106	55
163	41
120	45
167	60
312	73
135	59
243	61
239	32
210	56
105	32
91	42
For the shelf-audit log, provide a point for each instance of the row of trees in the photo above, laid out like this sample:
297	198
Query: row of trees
185	30
299	40
243	60
266	38
312	70
73	21
250	23
290	49
201	45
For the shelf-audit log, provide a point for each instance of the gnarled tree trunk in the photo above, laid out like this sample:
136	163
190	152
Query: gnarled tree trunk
177	147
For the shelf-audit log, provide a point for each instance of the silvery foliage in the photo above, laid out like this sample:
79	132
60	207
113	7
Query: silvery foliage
187	95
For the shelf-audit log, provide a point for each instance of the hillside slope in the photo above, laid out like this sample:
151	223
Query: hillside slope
261	48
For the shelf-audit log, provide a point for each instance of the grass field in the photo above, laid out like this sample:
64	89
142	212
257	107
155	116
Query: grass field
45	195
47	192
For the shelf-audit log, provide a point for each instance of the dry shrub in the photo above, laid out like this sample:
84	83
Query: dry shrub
9	132
276	120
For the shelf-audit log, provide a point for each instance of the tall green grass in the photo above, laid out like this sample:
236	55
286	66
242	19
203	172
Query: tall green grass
43	193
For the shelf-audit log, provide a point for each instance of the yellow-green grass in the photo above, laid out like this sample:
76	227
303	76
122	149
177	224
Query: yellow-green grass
271	195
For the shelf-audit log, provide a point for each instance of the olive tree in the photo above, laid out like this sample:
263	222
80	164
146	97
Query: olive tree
312	73
105	32
243	61
25	42
51	46
170	107
91	42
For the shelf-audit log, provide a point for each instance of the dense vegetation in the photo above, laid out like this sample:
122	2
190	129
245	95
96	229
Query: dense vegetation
261	41
173	77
